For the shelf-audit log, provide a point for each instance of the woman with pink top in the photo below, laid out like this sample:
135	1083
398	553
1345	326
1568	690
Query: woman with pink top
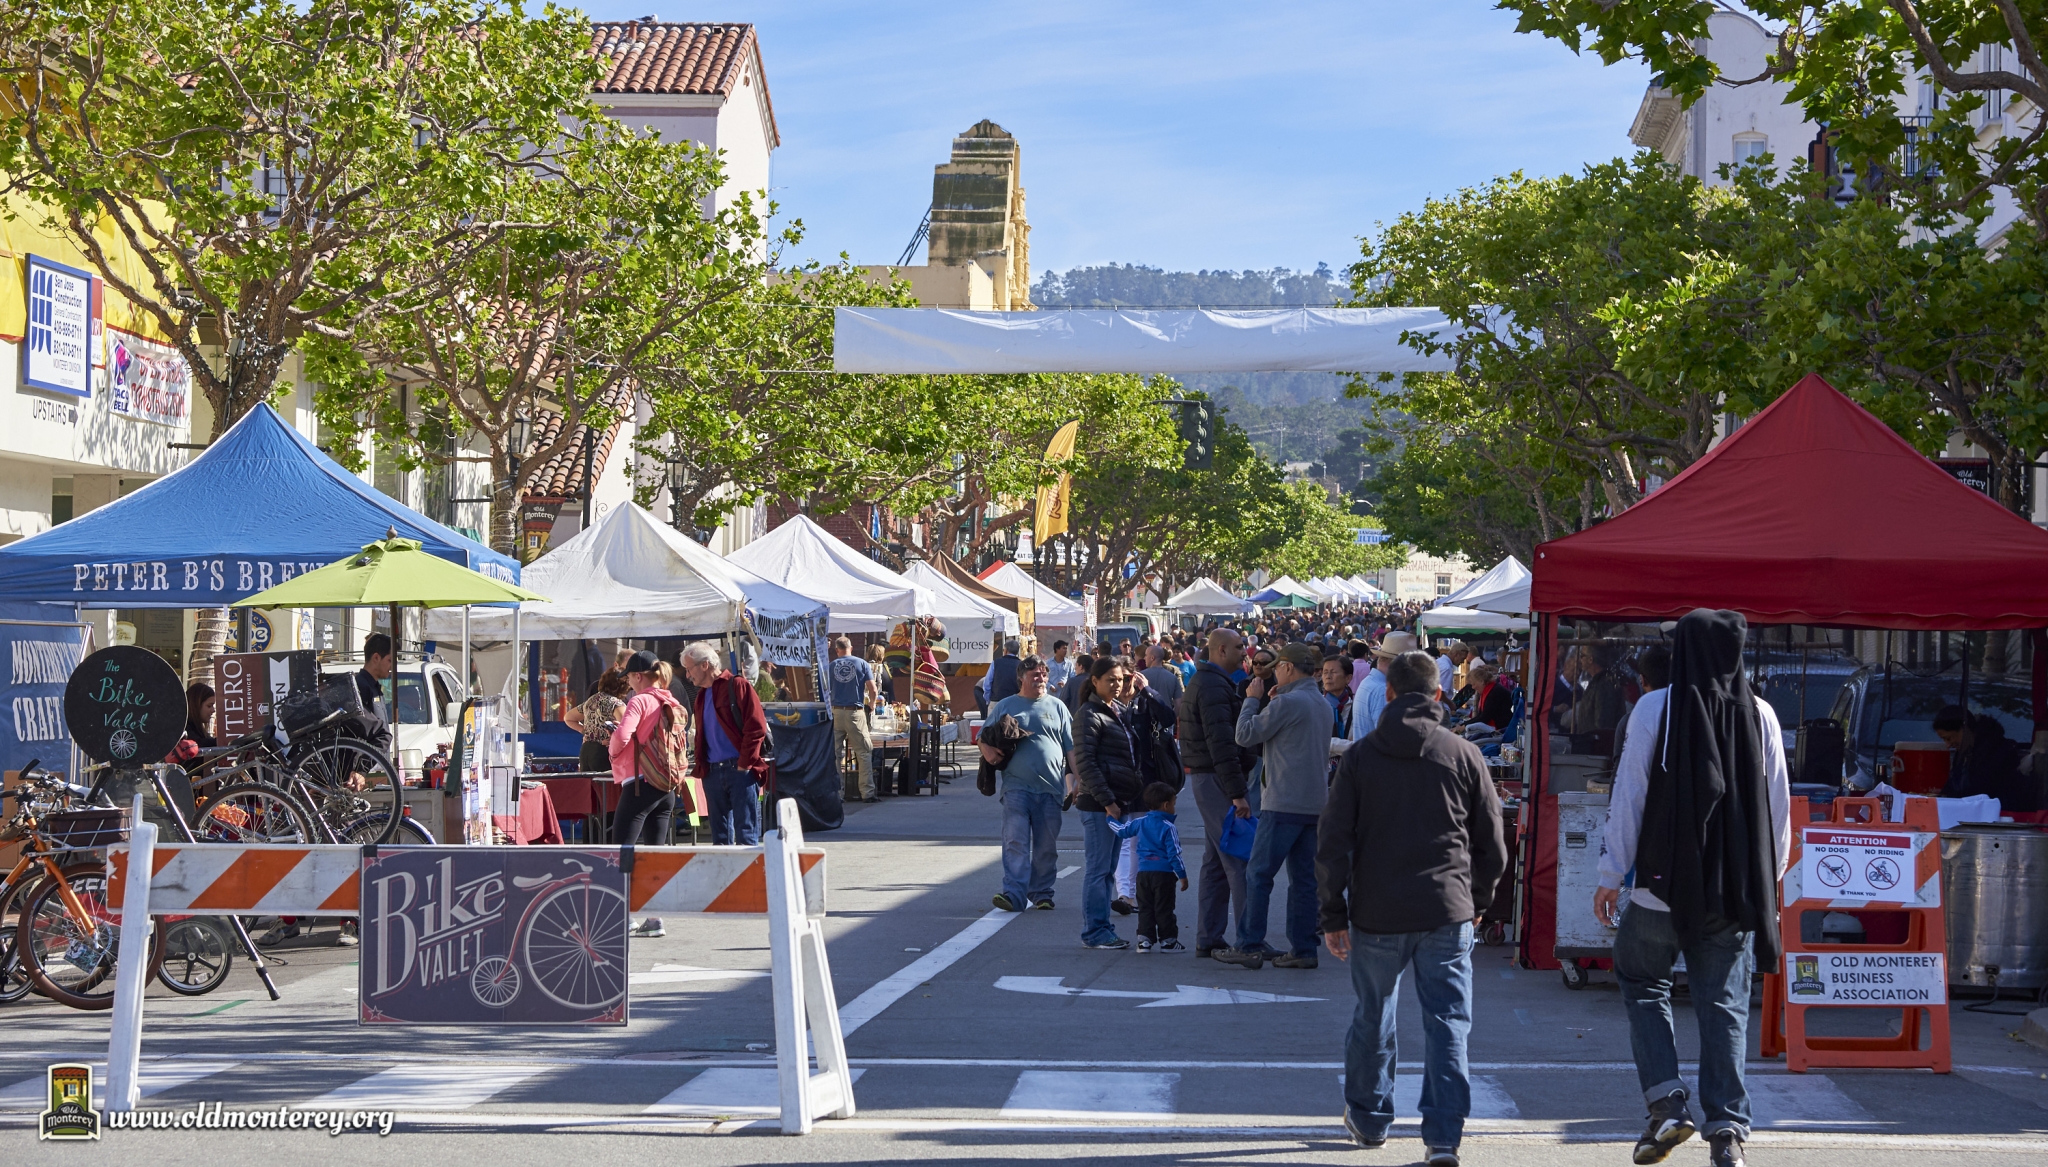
644	811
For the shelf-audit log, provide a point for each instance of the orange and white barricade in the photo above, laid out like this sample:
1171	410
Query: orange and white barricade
1854	861
781	879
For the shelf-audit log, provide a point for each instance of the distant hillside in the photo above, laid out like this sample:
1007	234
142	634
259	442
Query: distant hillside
1291	417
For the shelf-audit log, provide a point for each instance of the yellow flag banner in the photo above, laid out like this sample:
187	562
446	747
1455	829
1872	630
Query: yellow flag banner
1053	500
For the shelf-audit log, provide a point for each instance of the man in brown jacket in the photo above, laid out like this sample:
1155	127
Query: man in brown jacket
1408	855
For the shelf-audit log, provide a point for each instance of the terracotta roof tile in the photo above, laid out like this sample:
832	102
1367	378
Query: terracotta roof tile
562	476
646	56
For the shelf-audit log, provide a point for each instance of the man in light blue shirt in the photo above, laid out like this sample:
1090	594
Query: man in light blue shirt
850	684
1034	788
1059	670
1372	692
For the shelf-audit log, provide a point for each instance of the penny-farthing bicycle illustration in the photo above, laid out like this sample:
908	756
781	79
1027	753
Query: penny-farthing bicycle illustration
563	943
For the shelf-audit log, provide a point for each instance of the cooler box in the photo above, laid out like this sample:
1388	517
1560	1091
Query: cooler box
1920	767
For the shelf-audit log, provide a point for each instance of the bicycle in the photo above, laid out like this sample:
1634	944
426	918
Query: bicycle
316	785
66	939
561	940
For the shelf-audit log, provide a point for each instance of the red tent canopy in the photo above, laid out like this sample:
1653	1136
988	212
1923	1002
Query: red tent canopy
1814	512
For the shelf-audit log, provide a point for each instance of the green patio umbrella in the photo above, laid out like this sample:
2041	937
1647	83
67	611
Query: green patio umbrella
393	572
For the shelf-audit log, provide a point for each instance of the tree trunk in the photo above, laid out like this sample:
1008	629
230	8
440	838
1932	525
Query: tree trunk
209	637
505	521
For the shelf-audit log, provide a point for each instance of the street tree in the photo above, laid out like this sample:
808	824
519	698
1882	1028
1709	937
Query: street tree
1327	544
275	165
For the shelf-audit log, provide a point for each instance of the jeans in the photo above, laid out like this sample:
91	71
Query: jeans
735	805
643	816
1031	845
850	724
1221	891
1098	876
1718	968
1275	844
1443	986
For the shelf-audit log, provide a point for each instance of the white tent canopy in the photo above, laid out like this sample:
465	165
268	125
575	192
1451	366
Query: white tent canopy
972	623
1286	585
1366	588
863	595
1502	576
945	340
1441	620
1206	597
630	576
1053	609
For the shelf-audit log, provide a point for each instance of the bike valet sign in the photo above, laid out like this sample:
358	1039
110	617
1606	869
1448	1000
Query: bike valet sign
125	705
493	936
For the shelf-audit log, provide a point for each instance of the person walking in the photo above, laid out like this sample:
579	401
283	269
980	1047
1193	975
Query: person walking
1059	670
1160	676
1372	697
1034	785
1109	781
1701	810
1206	718
1294	731
645	810
851	689
1002	675
731	728
1159	866
1409	856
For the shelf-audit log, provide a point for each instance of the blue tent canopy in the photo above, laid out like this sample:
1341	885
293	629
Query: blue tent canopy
256	508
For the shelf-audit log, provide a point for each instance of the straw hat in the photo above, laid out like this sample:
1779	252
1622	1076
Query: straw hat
1396	643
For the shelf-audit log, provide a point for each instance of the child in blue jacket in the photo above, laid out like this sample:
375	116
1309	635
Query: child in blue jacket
1159	865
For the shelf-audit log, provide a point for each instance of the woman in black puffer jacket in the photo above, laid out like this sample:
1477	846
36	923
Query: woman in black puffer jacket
1109	782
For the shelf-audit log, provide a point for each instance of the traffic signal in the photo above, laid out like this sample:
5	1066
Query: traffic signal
1198	430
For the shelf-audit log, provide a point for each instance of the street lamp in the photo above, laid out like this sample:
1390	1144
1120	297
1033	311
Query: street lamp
521	434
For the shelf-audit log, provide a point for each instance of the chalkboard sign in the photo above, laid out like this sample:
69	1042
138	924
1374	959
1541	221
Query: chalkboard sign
125	705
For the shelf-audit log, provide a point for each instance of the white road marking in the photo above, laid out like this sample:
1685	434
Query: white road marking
157	1077
727	1092
1182	994
1804	1100
1040	1094
427	1087
891	989
1489	1098
1066	871
671	974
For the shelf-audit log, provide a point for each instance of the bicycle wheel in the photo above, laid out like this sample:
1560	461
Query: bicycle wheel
198	953
564	945
14	983
354	779
252	812
70	959
374	828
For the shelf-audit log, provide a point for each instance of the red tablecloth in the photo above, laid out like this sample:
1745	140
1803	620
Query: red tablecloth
535	822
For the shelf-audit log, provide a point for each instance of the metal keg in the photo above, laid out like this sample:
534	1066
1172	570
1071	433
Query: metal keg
1994	891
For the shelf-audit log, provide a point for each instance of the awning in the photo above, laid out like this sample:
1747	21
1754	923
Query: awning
972	623
1053	609
1446	621
1505	583
1206	597
864	596
258	507
946	340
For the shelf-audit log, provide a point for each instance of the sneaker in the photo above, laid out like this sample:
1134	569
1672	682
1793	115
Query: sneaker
649	929
1003	901
1670	1125
1144	945
346	938
1254	958
1123	905
1290	960
1358	1136
1443	1157
1727	1149
1112	942
1169	944
1206	953
278	935
1044	905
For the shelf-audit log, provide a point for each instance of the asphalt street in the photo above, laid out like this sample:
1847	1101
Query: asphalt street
977	1036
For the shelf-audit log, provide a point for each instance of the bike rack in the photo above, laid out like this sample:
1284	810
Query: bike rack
781	879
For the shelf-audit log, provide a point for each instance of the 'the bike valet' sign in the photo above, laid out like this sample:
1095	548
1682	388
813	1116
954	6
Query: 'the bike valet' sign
493	936
125	705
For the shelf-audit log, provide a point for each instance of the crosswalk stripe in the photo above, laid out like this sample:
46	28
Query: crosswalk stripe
671	974
157	1077
1047	1094
1490	1099
1802	1100
727	1092
441	1086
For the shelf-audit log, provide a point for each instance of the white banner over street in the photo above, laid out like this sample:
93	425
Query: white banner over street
945	340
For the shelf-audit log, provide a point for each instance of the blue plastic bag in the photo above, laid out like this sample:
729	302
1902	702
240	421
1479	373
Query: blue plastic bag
1236	837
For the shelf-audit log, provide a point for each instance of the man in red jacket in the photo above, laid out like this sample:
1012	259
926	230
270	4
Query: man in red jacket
731	726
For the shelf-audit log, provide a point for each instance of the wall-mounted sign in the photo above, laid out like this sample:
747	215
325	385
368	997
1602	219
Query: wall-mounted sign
56	352
148	380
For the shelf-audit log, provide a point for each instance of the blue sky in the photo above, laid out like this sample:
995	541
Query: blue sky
1183	135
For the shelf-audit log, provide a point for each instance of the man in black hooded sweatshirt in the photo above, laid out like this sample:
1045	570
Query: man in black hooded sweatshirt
1701	812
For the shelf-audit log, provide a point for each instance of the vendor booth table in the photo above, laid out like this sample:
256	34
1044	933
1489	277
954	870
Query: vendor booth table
1813	513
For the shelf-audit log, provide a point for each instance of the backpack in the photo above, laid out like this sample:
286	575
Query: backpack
663	760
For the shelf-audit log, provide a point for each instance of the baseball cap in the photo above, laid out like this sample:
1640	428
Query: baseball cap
1301	656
